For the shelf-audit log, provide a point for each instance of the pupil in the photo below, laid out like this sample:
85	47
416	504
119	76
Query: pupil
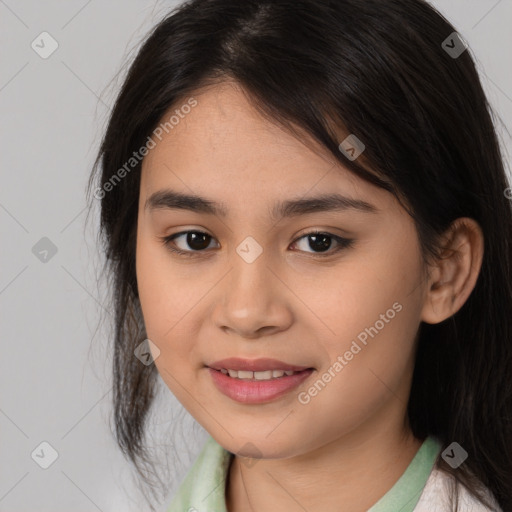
322	242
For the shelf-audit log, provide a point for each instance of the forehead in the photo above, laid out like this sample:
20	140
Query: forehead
224	147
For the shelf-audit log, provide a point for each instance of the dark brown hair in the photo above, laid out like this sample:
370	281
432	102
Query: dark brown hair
375	68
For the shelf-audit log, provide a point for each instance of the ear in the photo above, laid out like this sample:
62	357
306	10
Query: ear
453	276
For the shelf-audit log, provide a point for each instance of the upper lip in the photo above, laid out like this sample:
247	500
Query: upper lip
255	365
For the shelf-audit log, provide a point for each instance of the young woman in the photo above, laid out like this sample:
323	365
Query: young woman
308	228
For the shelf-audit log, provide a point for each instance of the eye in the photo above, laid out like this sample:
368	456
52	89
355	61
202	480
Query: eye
319	240
199	241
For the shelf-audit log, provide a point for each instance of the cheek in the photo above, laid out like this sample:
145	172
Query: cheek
373	316
168	294
365	294
161	290
369	366
151	285
162	297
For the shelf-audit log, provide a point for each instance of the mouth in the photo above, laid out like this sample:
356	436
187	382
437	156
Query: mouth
256	381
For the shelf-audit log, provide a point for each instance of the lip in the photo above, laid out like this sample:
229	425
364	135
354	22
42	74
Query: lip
255	365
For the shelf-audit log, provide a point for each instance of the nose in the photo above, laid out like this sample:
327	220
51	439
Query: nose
253	301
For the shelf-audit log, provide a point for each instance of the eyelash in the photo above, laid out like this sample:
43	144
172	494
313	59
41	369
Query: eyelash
343	243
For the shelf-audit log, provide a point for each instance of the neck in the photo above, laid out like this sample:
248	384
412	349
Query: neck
356	469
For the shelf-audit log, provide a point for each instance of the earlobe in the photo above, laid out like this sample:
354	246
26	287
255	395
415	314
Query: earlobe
454	275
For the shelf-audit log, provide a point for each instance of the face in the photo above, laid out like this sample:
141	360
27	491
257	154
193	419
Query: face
254	285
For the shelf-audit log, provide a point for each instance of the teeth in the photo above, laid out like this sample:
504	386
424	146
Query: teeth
264	375
261	375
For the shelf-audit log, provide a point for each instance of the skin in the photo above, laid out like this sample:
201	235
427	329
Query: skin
351	442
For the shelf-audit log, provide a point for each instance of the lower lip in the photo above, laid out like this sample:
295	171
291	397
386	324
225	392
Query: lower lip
257	391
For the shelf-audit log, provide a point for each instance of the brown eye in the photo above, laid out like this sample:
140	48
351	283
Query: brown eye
192	242
321	242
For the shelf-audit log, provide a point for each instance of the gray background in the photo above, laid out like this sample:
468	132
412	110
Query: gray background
55	366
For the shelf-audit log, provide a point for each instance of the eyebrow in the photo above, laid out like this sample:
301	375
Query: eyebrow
170	199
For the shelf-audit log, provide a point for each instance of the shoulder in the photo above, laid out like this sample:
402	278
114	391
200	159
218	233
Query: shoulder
438	491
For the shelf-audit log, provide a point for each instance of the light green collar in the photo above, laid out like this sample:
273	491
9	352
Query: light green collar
203	489
405	494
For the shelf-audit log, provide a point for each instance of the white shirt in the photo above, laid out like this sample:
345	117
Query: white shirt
436	496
